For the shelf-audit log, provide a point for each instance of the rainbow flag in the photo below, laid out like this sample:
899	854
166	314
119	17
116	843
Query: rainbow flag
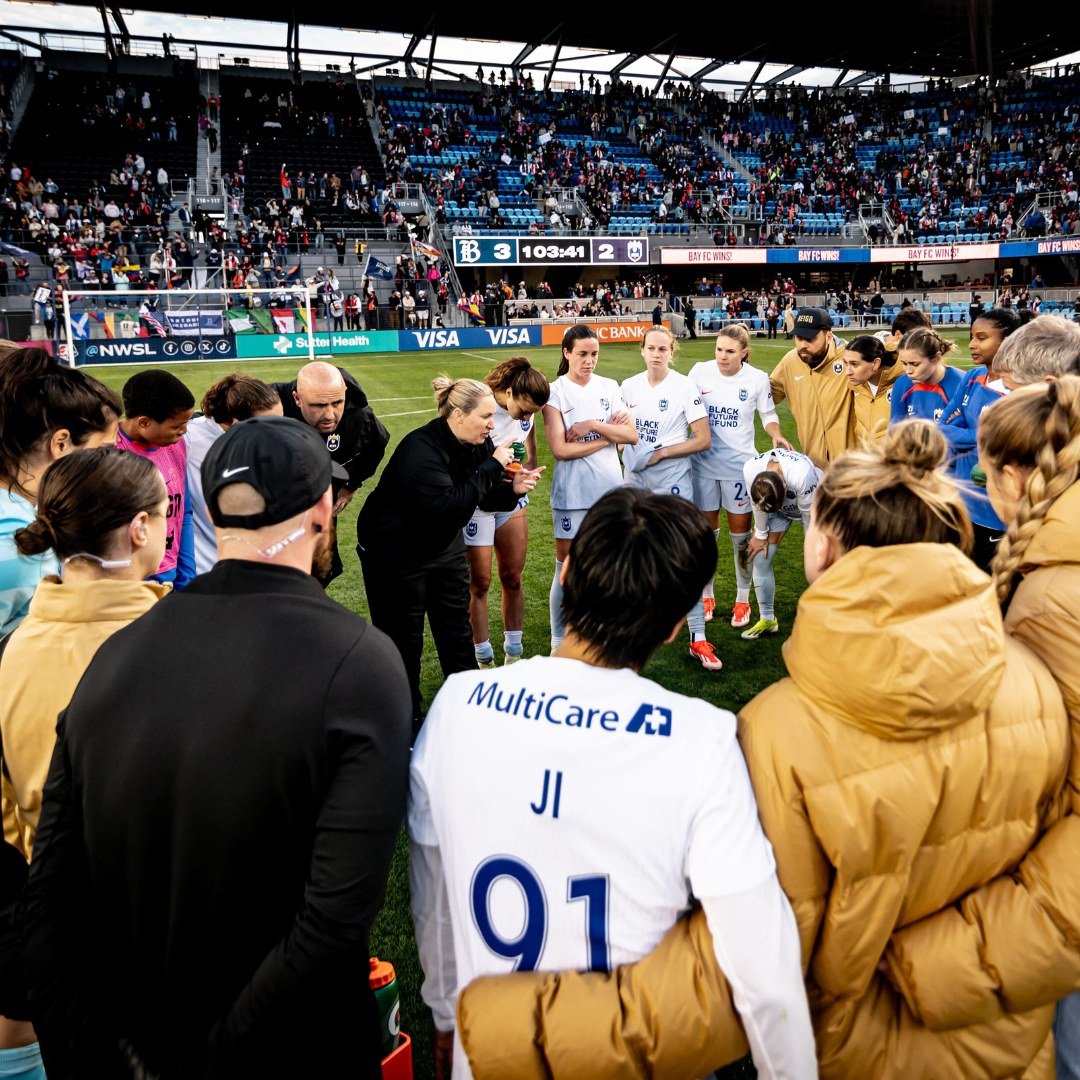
105	320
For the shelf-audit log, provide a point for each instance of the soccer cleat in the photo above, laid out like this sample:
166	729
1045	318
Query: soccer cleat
703	651
761	628
709	603
488	663
511	658
740	614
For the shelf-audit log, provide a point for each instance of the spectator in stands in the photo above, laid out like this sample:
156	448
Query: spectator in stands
46	412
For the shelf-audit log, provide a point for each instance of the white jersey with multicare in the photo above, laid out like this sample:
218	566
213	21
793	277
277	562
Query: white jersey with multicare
576	809
801	478
731	402
578	483
662	414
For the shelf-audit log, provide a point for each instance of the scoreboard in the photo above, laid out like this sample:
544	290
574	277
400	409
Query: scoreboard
550	250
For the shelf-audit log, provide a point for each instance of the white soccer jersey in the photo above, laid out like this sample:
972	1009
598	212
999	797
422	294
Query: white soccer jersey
731	401
662	414
801	478
575	809
580	482
506	427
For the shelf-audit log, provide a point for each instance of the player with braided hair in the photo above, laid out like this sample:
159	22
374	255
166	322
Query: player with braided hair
1029	449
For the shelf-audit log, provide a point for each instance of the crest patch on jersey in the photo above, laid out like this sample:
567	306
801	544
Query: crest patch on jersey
744	394
471	529
605	404
526	423
838	367
333	442
566	523
888	394
663	404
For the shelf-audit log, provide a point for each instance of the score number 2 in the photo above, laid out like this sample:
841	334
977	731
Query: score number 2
528	947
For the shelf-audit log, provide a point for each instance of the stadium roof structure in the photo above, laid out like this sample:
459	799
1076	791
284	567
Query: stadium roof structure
951	38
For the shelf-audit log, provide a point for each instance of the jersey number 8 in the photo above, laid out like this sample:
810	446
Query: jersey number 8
528	947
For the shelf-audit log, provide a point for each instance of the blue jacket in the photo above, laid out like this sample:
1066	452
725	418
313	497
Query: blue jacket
925	401
960	425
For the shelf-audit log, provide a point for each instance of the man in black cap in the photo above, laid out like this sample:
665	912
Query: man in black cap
331	401
223	803
811	377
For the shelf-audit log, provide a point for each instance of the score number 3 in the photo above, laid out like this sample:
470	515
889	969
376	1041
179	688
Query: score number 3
528	947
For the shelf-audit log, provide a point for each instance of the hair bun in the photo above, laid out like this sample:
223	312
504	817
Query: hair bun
916	445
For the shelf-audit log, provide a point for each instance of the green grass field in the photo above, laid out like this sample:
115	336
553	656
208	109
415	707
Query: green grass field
398	386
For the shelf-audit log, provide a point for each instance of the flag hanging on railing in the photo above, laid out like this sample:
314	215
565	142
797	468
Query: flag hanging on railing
104	319
155	324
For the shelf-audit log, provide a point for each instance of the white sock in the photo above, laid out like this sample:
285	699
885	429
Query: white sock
710	585
555	606
483	651
512	642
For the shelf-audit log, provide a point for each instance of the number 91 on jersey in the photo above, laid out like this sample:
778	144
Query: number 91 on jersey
547	250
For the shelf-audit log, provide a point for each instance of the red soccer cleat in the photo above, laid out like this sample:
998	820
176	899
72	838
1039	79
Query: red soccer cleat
703	651
740	615
709	603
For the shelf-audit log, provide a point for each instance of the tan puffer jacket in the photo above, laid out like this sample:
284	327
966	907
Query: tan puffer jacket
997	931
913	754
872	411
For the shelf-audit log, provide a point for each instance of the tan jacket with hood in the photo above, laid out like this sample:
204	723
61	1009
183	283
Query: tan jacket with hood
42	664
872	411
820	400
996	931
926	764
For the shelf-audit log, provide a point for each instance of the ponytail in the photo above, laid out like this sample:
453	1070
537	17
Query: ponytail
894	493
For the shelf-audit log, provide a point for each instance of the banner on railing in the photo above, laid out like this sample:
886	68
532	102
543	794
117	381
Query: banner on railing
482	337
911	253
274	346
606	332
154	350
194	323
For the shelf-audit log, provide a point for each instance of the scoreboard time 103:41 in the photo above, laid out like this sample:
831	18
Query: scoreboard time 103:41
550	250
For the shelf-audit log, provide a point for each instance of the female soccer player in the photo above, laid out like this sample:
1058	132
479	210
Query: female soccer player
731	391
664	404
960	423
928	383
781	484
585	420
520	392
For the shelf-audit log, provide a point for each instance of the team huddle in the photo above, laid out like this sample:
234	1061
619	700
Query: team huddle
872	871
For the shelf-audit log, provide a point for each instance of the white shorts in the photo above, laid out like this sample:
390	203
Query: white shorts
731	494
484	524
565	523
779	523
